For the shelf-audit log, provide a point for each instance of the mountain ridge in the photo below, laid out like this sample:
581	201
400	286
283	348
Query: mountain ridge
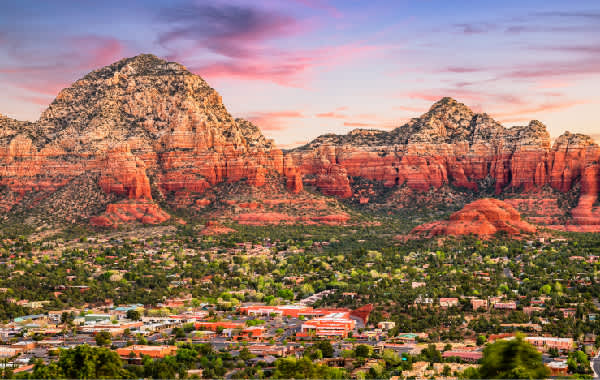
146	130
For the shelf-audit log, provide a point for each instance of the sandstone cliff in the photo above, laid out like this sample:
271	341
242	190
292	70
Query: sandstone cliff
450	146
143	132
144	128
484	217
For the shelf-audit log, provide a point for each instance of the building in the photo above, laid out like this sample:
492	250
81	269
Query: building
545	343
511	305
479	304
152	351
213	326
558	368
467	356
334	324
417	284
293	311
255	332
448	302
568	312
386	325
532	309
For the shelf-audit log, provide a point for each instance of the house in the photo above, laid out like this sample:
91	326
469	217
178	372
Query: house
423	301
386	325
213	326
137	351
558	368
467	356
477	303
568	312
532	309
511	305
448	302
545	343
255	332
417	284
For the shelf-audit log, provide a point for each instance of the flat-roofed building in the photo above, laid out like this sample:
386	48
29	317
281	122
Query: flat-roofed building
546	342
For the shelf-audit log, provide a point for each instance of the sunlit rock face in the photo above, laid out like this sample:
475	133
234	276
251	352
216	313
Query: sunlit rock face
144	130
484	217
137	122
452	145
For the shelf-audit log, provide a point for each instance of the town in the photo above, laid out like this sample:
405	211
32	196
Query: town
360	305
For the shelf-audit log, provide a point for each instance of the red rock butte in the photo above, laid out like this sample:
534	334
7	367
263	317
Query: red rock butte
484	217
145	131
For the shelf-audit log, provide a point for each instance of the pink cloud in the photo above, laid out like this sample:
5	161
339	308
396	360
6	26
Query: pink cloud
242	38
286	68
462	69
544	107
331	115
356	124
293	144
233	31
410	109
59	68
273	121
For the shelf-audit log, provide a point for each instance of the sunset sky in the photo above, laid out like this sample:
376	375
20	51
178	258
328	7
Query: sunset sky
301	68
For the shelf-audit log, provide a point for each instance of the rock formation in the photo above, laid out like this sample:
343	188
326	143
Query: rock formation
144	130
484	217
137	122
450	145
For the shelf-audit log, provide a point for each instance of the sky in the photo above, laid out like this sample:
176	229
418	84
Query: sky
302	68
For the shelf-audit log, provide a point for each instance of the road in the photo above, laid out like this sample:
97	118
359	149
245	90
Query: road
595	363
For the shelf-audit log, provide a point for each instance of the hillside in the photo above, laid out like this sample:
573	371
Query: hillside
143	139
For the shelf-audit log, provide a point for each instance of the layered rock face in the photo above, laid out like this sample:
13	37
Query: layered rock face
452	145
137	122
144	130
484	217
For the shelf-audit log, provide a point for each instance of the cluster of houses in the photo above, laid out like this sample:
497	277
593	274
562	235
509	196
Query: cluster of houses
268	332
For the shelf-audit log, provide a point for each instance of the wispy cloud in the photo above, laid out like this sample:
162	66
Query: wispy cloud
233	31
45	73
274	120
332	115
357	124
240	42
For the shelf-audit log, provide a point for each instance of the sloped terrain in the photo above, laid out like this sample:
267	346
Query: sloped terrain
143	139
484	217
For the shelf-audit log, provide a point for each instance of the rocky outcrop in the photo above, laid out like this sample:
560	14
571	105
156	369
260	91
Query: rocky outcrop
148	130
124	174
450	145
274	218
215	228
484	217
130	211
138	122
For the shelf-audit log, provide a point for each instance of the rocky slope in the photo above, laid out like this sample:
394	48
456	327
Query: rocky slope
143	138
451	147
484	217
146	130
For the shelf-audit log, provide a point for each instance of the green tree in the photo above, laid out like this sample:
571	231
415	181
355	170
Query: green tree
82	362
134	315
481	340
578	362
512	359
103	338
325	347
362	351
